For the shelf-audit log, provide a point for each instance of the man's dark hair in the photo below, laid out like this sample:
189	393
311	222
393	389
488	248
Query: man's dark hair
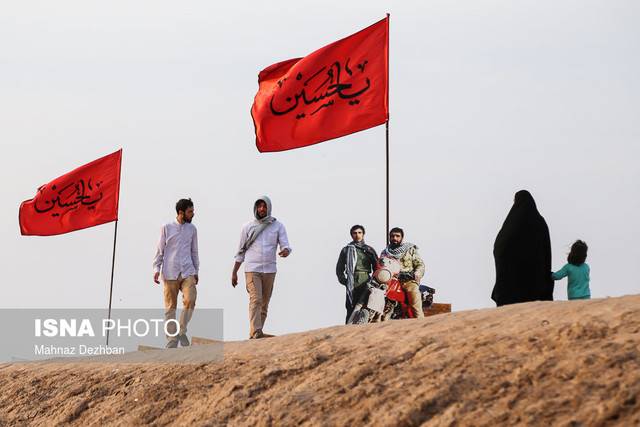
356	227
578	254
183	205
397	230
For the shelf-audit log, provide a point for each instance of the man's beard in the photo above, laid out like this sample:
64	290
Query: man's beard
395	245
187	219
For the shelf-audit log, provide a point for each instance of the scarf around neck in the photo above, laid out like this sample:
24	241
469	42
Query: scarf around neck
350	268
398	251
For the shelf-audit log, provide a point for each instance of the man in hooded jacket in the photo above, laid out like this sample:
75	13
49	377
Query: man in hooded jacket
411	267
259	240
355	264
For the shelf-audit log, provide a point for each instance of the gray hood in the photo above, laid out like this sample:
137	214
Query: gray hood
267	200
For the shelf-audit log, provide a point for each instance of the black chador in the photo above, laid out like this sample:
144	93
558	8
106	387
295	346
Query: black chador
522	253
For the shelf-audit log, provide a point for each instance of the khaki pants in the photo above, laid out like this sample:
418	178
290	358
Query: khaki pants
415	299
189	293
259	287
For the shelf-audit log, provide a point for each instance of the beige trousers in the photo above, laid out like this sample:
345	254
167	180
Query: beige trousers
189	293
415	299
259	287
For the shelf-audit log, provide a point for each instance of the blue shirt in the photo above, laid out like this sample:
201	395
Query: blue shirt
578	283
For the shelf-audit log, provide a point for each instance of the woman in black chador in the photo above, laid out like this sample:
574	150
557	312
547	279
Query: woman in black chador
523	255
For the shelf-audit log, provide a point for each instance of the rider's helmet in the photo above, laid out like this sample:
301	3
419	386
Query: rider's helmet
387	268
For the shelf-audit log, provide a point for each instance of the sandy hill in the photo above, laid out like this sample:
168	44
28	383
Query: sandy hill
560	363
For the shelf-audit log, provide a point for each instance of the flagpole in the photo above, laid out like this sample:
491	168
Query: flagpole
387	157
386	237
113	263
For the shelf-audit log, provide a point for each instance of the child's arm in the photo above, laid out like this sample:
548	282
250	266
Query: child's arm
560	274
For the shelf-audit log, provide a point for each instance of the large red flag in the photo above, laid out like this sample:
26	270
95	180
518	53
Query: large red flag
82	198
339	89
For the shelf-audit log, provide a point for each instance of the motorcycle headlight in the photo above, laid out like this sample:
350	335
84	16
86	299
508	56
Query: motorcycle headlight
382	275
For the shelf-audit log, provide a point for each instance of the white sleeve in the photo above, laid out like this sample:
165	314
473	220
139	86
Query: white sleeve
283	240
194	250
243	239
157	260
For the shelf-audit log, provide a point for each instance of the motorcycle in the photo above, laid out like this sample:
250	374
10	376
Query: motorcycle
385	299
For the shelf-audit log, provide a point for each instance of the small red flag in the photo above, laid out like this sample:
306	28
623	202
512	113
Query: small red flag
82	198
339	89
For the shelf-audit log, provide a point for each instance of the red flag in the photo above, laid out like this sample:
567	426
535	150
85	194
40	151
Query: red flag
339	89
82	198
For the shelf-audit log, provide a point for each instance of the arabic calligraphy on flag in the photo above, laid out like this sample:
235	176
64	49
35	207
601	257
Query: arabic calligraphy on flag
337	90
82	198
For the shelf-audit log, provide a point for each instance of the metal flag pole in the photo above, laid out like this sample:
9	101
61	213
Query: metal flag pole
113	263
386	237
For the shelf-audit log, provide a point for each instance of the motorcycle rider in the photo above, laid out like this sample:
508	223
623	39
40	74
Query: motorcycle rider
355	264
412	267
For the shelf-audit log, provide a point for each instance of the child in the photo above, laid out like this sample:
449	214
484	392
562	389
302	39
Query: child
577	270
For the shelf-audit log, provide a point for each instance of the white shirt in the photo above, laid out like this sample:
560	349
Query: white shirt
177	252
261	255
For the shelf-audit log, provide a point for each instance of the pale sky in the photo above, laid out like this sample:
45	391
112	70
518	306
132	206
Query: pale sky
486	98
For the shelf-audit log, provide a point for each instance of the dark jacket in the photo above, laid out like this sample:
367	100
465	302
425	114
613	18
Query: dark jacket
361	250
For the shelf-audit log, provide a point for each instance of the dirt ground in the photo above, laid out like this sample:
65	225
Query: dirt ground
543	363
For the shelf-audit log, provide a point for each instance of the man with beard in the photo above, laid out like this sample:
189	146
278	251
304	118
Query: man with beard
177	258
355	264
259	240
411	270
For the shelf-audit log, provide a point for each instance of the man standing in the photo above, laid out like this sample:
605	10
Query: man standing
177	258
411	270
355	264
258	242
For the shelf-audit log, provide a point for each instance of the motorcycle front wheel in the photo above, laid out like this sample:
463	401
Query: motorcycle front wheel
361	317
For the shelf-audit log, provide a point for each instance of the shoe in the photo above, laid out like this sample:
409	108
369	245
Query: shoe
257	334
172	344
183	340
264	335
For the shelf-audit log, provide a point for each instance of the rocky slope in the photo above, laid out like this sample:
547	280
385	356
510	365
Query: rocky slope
542	363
